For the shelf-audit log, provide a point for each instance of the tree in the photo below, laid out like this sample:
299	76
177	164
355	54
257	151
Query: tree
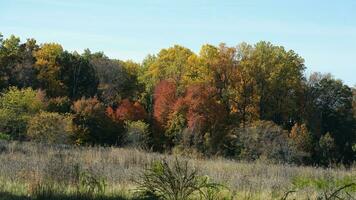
127	111
278	74
205	116
164	100
222	63
329	110
17	107
115	83
77	76
23	73
354	100
93	126
9	56
303	140
172	64
242	91
49	69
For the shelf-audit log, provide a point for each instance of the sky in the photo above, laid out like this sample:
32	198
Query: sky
323	32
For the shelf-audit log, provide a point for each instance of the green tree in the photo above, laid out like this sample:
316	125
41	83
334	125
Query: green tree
329	110
279	77
17	107
77	75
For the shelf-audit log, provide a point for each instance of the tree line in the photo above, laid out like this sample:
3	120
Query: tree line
244	102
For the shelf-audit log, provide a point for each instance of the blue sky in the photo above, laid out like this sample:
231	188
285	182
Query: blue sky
322	32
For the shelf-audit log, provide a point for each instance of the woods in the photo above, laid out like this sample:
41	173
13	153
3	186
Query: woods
244	102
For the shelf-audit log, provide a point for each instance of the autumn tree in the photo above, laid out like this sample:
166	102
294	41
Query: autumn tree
49	70
164	100
242	91
174	63
115	82
279	77
93	126
127	111
205	116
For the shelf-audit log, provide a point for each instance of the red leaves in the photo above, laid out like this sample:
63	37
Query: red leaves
199	105
203	108
164	100
127	110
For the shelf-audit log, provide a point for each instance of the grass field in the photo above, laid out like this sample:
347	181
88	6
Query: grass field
34	171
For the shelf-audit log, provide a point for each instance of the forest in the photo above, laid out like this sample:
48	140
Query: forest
246	102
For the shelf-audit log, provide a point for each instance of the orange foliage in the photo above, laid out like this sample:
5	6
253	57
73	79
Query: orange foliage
204	111
164	100
127	110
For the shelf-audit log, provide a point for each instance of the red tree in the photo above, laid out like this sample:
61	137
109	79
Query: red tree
164	100
204	110
127	110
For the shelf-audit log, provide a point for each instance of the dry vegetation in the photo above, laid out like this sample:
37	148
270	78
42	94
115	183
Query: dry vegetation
27	169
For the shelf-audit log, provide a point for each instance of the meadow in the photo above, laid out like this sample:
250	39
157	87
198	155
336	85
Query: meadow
39	171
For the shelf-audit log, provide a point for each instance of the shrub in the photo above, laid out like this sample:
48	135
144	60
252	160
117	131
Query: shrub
93	126
137	133
50	128
260	140
59	105
177	181
17	107
4	136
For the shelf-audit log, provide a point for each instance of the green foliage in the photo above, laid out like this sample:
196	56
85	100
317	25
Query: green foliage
17	107
175	182
137	133
77	76
4	136
50	128
90	184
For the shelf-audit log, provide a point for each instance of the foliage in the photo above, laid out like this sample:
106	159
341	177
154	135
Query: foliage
50	128
261	140
92	125
164	99
48	69
59	104
202	102
137	133
17	107
127	110
329	104
174	182
77	76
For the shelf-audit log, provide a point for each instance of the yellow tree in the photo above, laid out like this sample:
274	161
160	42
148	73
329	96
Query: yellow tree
48	69
242	90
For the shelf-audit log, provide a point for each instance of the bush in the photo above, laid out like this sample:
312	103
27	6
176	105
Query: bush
137	133
59	105
177	181
93	126
4	136
17	107
50	128
260	140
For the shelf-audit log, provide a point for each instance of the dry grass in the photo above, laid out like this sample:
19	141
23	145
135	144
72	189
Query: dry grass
23	165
